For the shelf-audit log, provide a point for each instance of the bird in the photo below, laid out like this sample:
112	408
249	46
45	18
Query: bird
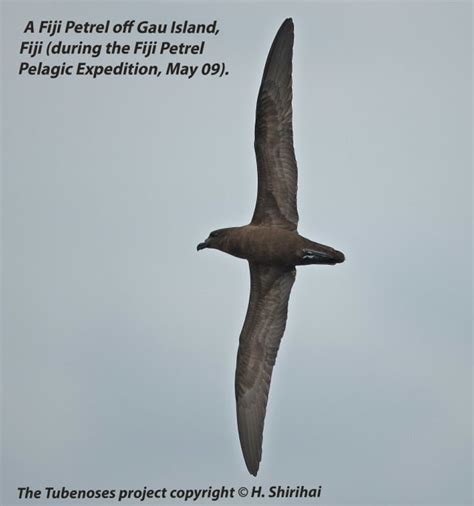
271	244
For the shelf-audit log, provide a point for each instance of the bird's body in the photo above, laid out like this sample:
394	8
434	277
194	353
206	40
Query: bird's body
274	246
271	245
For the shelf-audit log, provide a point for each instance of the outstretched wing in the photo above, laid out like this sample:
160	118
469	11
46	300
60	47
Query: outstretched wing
276	163
260	338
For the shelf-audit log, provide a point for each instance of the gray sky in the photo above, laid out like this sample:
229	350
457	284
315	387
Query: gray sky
119	340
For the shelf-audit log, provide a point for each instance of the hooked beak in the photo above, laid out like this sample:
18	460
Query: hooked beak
202	245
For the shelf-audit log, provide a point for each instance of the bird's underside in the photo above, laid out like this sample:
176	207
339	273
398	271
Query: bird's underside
271	244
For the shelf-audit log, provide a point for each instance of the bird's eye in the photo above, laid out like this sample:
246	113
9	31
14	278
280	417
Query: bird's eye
214	234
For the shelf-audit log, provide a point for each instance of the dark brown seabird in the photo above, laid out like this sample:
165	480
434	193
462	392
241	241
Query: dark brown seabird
271	244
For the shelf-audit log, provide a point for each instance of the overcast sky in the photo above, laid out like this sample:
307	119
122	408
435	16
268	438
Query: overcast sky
120	340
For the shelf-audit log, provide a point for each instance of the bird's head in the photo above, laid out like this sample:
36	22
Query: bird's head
216	240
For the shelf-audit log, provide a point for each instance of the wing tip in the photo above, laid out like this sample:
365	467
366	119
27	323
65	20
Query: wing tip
253	470
286	27
250	427
252	462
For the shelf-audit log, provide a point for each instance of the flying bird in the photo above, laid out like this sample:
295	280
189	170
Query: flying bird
271	245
